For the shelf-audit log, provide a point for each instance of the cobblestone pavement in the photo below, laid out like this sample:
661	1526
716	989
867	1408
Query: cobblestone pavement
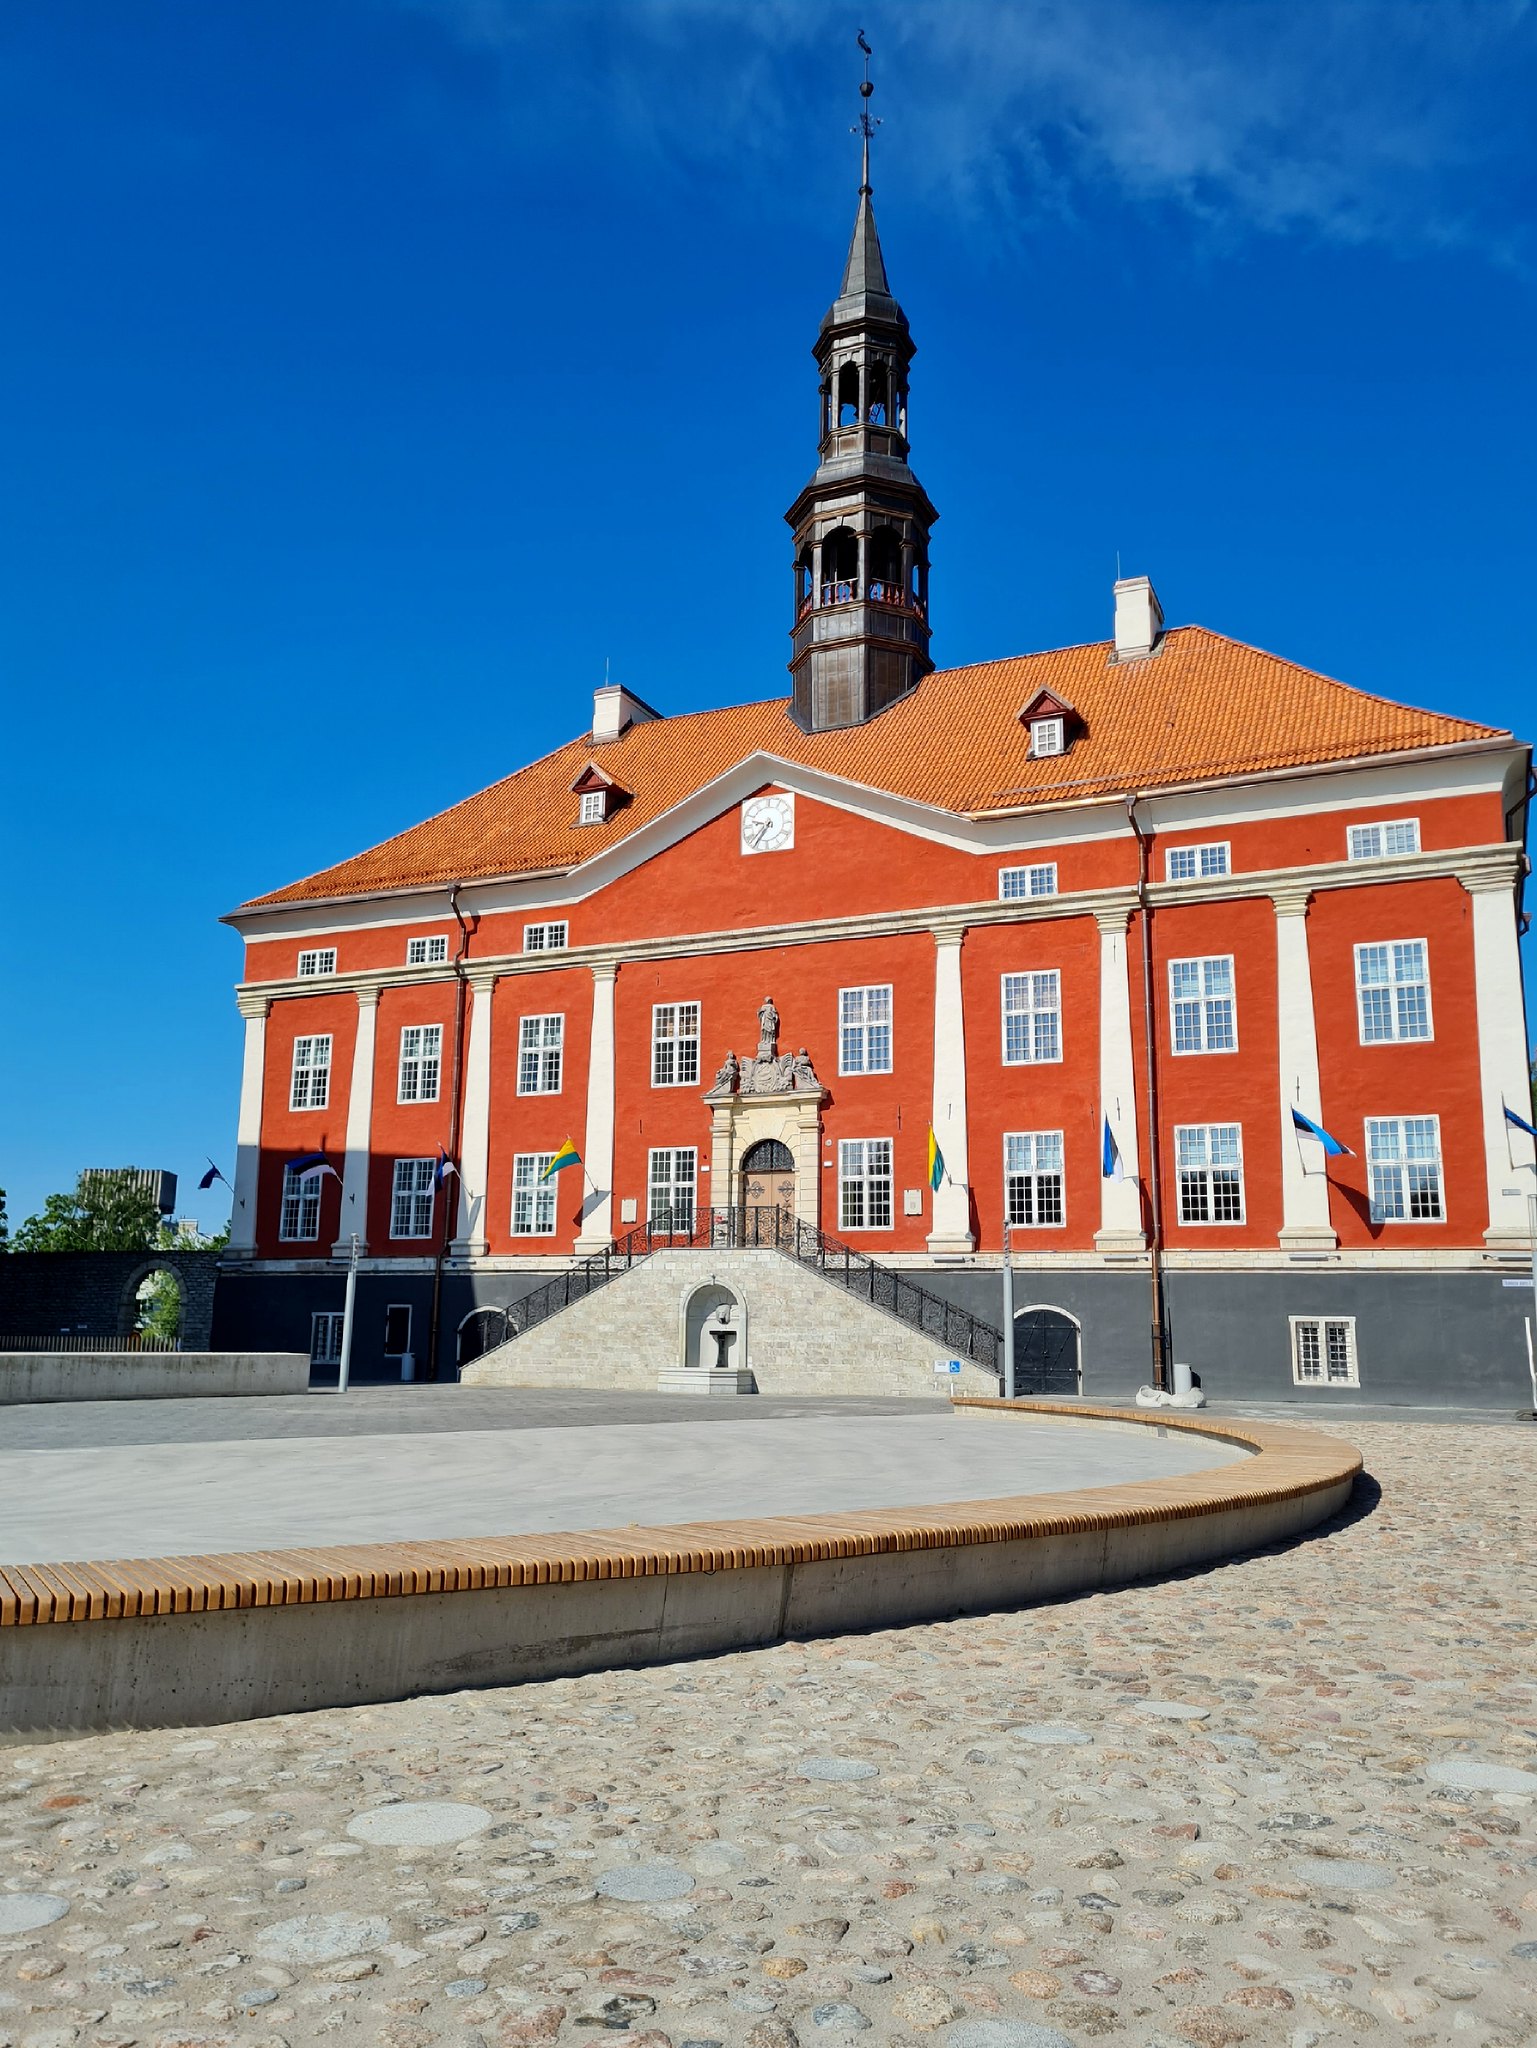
1289	1800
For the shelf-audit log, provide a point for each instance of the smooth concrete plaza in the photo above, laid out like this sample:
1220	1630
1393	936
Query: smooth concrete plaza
76	1496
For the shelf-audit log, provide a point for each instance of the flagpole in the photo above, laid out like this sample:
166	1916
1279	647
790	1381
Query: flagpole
1007	1388
345	1374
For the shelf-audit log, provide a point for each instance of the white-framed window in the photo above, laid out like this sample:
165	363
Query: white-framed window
546	938
397	1329
1380	842
421	1062
1209	1161
670	1188
1324	1351
674	1045
593	807
326	1337
318	960
533	1199
1202	1010
541	1042
1047	736
1032	1017
1195	863
1403	1169
411	1198
1393	991
864	1184
1015	883
299	1219
431	951
1032	1167
864	1030
309	1085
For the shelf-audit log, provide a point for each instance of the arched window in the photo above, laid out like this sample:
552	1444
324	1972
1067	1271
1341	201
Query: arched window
848	395
840	566
883	559
805	576
879	388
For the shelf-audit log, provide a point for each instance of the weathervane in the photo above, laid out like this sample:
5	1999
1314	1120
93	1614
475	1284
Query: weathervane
867	126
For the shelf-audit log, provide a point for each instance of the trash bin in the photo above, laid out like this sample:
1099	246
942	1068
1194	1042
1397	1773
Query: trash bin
408	1365
1184	1379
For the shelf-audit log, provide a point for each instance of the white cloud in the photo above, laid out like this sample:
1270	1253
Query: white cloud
1393	121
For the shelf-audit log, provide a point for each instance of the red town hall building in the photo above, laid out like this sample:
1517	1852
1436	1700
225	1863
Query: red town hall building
1132	903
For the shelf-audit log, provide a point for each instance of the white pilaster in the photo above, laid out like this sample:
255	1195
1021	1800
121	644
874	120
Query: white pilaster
1120	1201
597	1232
360	1121
1305	1224
1502	1069
248	1128
475	1131
951	1212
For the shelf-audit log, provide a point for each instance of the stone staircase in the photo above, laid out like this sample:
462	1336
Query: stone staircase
819	1319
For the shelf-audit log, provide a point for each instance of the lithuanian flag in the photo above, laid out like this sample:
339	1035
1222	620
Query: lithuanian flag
566	1156
936	1162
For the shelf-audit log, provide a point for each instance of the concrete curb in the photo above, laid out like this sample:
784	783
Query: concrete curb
225	1638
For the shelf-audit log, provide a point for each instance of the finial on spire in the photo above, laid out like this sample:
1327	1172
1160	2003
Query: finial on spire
867	126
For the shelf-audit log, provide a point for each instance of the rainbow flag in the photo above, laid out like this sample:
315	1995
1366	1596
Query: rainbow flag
936	1162
559	1161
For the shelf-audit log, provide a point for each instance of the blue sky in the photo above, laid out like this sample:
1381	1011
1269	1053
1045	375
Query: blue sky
375	371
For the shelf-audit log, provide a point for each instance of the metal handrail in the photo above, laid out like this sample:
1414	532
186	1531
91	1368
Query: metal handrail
754	1227
84	1341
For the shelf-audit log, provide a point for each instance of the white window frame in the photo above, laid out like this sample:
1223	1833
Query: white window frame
1206	861
865	1185
1397	1035
1370	841
675	1045
412	1187
1033	998
1320	1345
1048	737
300	1206
865	1029
1204	1008
672	1188
1205	1170
316	960
326	1336
429	950
533	1199
1390	1165
1034	1179
592	807
1018	885
421	1063
309	1080
541	1053
546	938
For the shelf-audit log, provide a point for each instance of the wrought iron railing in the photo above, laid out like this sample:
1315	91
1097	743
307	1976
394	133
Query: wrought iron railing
761	1228
84	1340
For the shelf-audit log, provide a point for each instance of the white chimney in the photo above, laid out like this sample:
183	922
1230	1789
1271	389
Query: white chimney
1138	618
614	707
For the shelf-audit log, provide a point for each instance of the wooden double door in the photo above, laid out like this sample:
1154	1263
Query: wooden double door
767	1177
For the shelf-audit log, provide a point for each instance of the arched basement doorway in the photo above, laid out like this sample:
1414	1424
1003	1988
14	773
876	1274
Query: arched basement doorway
1048	1352
767	1177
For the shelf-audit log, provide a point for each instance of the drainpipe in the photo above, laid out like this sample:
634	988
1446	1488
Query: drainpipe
1154	1170
460	986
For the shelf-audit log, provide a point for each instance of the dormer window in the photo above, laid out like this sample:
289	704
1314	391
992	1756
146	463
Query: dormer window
597	795
592	807
1052	724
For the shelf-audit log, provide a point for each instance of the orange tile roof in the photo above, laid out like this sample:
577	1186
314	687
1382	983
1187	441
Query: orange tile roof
1200	708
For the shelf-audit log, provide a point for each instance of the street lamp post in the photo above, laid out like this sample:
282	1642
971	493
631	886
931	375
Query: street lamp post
345	1373
1008	1285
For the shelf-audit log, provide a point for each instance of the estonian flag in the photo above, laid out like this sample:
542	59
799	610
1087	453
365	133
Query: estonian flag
1111	1165
559	1161
443	1169
1520	1122
210	1177
310	1162
936	1162
1309	1129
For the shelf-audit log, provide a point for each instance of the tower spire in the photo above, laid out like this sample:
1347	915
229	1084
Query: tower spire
867	127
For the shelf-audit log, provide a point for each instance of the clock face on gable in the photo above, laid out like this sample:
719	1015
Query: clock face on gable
768	824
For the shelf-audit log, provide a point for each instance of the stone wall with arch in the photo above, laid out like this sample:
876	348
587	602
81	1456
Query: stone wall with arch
95	1294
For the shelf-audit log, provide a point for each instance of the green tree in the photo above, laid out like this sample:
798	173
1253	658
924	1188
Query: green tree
5	1228
104	1216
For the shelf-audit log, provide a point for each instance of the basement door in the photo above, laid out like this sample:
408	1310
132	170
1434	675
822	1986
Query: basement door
1047	1354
